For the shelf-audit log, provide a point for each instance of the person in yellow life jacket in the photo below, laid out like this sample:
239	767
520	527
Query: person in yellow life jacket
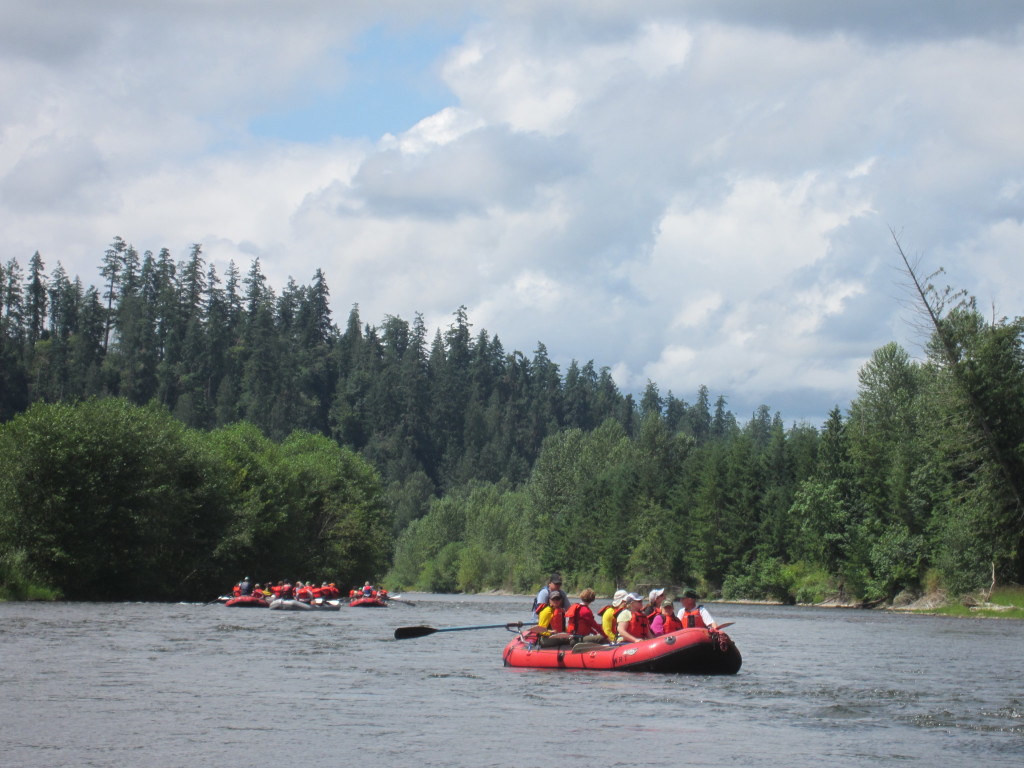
610	614
551	623
693	615
632	624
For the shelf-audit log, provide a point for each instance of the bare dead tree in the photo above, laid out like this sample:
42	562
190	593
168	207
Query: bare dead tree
980	419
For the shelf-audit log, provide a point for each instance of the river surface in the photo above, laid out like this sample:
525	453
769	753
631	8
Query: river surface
155	685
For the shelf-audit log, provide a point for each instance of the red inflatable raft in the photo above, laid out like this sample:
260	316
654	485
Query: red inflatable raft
695	651
247	601
368	602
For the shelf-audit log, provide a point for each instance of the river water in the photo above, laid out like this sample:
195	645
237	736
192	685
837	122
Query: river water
155	685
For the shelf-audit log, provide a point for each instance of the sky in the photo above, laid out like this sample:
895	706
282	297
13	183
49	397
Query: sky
687	192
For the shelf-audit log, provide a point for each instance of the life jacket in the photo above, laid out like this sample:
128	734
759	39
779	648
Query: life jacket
304	594
670	623
557	623
572	619
538	607
236	590
691	619
638	625
615	613
286	592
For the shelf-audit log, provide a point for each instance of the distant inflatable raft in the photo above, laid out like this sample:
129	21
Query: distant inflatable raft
368	602
693	651
246	601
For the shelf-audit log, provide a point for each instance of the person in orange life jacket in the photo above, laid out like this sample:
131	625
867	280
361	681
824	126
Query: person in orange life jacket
554	585
236	591
610	614
580	623
632	623
654	603
285	590
693	615
665	620
551	623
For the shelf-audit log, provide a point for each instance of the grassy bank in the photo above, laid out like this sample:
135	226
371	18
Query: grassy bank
1003	603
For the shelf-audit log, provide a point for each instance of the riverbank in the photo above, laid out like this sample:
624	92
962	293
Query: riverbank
1003	603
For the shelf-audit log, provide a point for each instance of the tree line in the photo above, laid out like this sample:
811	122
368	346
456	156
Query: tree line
495	468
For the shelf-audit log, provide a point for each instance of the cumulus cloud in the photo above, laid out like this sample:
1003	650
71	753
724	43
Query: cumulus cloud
687	192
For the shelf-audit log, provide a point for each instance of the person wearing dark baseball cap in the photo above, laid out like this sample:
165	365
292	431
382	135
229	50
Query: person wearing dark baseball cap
543	597
693	615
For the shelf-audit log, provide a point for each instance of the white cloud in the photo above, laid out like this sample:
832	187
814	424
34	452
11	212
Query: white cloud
695	193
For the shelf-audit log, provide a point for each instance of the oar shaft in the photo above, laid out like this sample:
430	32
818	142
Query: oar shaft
482	626
407	633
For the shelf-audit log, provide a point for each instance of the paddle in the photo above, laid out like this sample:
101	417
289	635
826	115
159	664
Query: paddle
398	599
727	624
407	633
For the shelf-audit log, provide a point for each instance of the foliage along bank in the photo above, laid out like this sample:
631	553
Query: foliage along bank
103	500
495	467
917	489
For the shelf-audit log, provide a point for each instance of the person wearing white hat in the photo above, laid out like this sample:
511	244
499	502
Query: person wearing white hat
633	625
654	603
610	614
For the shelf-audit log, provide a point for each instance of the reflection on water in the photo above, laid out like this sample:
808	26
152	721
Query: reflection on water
173	685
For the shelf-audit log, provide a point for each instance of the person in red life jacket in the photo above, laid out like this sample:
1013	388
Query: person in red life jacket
580	622
551	623
654	603
610	614
287	591
382	594
236	591
632	623
665	620
693	615
368	590
304	592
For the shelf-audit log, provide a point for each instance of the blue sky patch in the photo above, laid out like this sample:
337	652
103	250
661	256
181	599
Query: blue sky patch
393	82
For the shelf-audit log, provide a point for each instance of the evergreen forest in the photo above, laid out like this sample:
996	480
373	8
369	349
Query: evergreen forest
169	430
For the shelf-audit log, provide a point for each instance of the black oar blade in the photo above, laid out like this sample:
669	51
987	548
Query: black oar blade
405	633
